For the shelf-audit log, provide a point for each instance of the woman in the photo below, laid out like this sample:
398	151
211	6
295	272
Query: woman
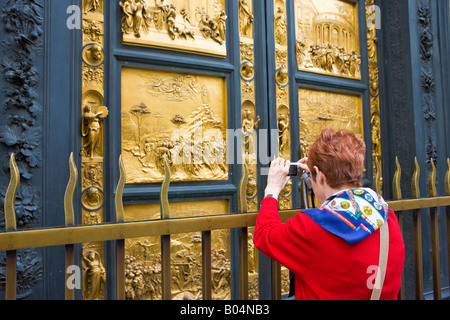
333	250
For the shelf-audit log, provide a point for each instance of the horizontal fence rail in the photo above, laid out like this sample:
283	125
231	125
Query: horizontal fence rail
69	235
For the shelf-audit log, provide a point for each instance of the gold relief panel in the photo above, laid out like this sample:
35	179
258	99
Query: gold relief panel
327	37
186	25
143	255
323	109
182	116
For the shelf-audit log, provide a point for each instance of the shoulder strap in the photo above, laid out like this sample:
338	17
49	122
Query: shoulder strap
382	263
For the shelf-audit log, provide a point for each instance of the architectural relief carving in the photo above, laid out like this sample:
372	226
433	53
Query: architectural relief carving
280	25
427	78
337	111
143	256
92	6
93	31
246	18
375	121
93	75
92	130
93	115
247	71
247	52
281	82
29	272
93	55
94	275
249	120
192	133
187	25
283	125
20	133
327	37
250	124
92	198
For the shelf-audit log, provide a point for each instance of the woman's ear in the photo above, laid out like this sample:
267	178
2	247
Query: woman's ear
316	171
320	177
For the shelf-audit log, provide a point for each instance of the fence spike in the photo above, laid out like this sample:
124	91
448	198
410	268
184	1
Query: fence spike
70	190
10	197
447	178
243	189
396	181
432	180
164	194
378	179
120	213
415	180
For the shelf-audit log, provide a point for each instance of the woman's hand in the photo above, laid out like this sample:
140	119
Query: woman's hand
278	177
302	164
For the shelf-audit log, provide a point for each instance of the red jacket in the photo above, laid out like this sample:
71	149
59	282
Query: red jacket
325	265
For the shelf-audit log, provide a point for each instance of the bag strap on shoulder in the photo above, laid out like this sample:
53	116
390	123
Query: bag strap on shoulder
382	263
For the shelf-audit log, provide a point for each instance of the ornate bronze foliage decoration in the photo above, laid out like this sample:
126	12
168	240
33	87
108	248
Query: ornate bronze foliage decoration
427	79
20	134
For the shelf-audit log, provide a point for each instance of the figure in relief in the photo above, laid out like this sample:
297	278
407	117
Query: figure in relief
327	37
94	275
91	131
248	131
142	281
222	26
128	13
168	14
283	134
141	19
280	27
91	6
170	19
136	17
245	18
159	14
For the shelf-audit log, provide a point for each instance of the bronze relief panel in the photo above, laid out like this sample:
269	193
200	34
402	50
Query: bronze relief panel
143	255
327	37
186	25
319	109
180	115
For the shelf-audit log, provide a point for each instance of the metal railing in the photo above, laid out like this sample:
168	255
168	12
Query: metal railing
69	235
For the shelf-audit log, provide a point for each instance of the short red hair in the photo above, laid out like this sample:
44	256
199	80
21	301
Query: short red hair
340	156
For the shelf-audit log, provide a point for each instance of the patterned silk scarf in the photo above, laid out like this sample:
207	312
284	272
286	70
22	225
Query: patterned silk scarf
351	214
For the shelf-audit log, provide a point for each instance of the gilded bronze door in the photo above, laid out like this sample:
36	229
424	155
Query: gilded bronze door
210	85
